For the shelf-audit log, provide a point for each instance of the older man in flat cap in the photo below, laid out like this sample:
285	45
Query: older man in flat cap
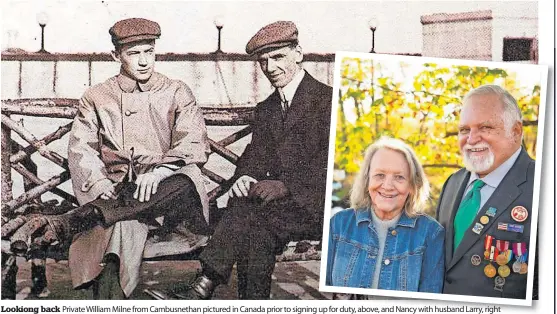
278	189
134	154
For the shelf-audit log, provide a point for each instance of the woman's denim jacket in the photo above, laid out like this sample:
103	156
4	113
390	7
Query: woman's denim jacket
413	258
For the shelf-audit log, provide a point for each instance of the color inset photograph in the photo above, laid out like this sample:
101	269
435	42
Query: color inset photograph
433	182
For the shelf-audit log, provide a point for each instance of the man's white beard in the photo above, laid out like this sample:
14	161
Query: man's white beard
478	163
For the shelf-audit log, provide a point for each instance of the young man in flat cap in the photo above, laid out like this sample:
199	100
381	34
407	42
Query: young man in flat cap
142	127
278	188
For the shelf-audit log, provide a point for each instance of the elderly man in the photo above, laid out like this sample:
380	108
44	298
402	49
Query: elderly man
486	207
134	154
278	188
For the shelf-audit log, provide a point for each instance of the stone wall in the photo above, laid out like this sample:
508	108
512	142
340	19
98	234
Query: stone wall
461	35
475	35
224	81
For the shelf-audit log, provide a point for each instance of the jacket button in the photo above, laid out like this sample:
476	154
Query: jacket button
128	113
387	261
393	232
449	280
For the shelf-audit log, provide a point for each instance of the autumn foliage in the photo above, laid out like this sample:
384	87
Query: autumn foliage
419	103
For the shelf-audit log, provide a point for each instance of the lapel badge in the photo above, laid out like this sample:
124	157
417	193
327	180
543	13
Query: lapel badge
491	212
477	228
476	260
499	283
510	227
519	214
516	228
484	220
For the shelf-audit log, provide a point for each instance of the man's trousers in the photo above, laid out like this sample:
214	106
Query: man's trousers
176	199
251	234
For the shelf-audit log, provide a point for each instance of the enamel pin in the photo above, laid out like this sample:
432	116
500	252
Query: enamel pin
519	214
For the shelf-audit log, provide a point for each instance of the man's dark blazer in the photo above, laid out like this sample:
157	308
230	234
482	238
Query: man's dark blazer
516	189
295	150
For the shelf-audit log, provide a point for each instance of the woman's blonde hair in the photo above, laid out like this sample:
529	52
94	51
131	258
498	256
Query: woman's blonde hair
359	196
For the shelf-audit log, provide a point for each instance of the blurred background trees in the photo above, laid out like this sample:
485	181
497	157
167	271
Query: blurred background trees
419	103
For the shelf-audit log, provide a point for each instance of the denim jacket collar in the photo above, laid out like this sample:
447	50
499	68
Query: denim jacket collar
364	215
412	259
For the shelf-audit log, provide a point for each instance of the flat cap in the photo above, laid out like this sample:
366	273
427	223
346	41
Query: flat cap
275	35
134	29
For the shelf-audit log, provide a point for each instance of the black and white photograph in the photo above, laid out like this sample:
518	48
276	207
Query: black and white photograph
162	150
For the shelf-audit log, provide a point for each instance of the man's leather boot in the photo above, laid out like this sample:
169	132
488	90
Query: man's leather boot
201	288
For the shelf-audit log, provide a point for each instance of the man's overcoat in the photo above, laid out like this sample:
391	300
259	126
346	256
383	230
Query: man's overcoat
160	120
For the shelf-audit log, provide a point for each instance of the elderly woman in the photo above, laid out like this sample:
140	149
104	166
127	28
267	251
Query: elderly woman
384	241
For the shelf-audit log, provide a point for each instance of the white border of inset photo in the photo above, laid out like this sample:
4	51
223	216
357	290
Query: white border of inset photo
515	67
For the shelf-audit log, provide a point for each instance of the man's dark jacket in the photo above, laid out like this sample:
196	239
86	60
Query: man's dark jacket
294	151
461	276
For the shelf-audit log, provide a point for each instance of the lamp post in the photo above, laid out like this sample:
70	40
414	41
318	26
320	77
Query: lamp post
219	24
372	23
42	19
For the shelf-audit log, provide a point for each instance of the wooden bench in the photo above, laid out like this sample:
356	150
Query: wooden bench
17	157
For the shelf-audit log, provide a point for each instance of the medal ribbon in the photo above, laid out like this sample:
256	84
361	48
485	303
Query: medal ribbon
488	241
524	256
492	254
502	246
519	249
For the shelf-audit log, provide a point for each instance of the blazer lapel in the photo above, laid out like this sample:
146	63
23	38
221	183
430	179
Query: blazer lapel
501	199
454	202
301	103
274	119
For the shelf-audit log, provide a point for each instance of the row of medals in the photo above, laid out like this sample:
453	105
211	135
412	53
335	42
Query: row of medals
503	258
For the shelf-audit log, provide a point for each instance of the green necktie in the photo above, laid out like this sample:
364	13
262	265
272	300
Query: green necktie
467	212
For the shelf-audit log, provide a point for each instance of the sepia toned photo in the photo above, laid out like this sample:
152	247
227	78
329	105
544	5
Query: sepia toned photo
435	176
